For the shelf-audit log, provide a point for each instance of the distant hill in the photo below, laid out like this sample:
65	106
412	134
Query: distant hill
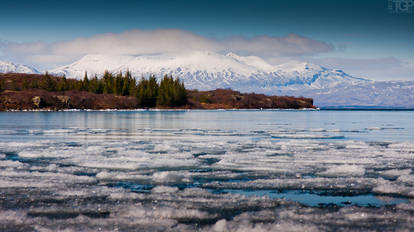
9	67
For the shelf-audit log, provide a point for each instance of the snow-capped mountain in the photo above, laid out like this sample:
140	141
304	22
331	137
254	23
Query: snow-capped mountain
6	67
206	70
389	94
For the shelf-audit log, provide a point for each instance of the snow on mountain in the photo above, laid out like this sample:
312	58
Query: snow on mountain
391	94
205	70
315	76
93	64
6	67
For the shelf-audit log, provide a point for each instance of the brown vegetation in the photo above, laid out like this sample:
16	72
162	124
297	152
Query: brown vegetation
41	99
17	92
230	99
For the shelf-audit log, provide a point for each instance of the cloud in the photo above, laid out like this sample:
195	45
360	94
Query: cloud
291	45
137	42
275	49
386	68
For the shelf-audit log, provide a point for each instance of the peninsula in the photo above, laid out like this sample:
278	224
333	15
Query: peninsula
122	91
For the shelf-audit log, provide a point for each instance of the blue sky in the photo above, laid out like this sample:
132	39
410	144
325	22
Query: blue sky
364	29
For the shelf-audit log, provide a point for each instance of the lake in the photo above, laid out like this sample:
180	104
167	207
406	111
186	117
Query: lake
218	170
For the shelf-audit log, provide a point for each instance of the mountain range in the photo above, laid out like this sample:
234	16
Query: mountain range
6	67
206	70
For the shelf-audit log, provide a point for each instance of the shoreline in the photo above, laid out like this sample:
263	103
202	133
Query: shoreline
153	110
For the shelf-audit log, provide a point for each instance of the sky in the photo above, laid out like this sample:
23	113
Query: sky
366	38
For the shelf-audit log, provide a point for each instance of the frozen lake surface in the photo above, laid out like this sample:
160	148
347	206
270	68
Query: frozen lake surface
207	171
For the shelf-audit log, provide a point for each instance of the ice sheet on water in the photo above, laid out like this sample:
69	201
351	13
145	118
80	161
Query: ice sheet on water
406	179
164	189
92	178
306	136
10	164
395	173
170	177
168	207
343	170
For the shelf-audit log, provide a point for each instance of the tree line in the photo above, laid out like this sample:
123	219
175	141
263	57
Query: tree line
149	93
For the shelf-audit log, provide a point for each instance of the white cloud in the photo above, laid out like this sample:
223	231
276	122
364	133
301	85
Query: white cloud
275	49
291	45
137	42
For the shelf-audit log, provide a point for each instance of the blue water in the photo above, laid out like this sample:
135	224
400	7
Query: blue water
313	199
353	125
94	163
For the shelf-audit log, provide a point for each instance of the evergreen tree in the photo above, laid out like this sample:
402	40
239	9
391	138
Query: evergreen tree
153	89
132	87
127	81
147	91
62	85
34	84
180	93
140	93
47	83
165	92
171	92
70	84
100	85
108	82
78	85
93	85
117	83
85	82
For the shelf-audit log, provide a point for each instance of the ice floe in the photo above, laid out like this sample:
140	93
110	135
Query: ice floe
215	177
